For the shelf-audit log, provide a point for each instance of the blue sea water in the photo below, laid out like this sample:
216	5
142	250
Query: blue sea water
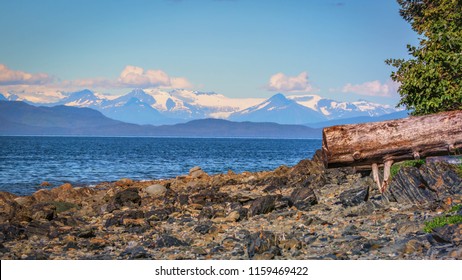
25	162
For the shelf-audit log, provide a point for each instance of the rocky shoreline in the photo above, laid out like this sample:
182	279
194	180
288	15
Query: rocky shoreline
300	212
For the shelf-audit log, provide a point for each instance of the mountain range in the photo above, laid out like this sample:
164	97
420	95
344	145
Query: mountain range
20	118
158	107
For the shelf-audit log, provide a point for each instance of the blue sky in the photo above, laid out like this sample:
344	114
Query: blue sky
240	48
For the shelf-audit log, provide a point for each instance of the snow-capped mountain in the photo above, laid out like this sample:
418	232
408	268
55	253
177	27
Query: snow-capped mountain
3	98
137	94
84	98
332	109
281	110
133	110
157	106
187	104
12	97
133	107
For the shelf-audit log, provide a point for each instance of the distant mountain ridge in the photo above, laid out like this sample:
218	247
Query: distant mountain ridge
20	118
279	109
363	119
157	107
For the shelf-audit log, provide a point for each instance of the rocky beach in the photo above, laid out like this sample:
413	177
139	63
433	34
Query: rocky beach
299	212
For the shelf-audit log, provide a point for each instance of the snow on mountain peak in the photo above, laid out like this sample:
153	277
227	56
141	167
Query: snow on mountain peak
159	105
308	100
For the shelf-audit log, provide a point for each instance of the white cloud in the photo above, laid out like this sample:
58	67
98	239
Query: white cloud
44	88
179	82
13	77
372	88
133	76
34	93
281	82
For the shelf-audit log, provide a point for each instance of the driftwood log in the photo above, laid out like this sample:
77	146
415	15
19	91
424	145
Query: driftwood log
374	144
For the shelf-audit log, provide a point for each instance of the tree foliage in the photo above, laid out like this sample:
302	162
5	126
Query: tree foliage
431	81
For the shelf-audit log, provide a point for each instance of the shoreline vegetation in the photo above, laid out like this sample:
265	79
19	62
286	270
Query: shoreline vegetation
299	212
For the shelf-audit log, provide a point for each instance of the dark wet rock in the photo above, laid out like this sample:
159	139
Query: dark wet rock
44	210
128	197
238	251
127	218
10	232
203	229
260	242
428	185
206	213
415	246
37	255
354	196
307	167
217	250
88	233
243	213
242	234
409	188
262	205
113	221
97	243
276	182
448	234
303	198
310	238
272	189
371	245
209	196
133	214
161	214
169	241
268	255
200	198
363	209
133	253
183	199
288	213
307	173
199	251
11	211
37	228
441	178
350	230
283	202
338	176
445	251
3	249
230	242
71	246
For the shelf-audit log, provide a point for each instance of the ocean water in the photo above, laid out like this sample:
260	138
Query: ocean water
26	162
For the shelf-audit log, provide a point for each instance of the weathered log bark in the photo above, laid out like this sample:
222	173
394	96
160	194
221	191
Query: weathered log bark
397	140
372	144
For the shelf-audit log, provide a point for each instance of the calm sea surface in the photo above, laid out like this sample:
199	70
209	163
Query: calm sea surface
25	162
